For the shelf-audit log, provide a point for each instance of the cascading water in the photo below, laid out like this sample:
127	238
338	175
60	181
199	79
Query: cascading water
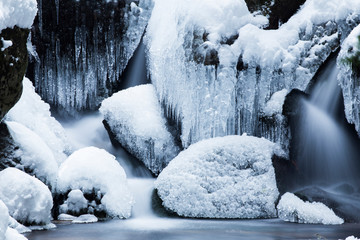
326	152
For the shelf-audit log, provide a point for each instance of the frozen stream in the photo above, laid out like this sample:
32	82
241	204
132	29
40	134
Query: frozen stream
145	225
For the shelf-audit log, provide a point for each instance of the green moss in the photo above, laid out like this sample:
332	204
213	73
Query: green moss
354	60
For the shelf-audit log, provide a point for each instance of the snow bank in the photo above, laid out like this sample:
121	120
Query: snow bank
17	12
227	97
95	171
293	209
349	82
35	114
228	177
135	117
29	200
36	156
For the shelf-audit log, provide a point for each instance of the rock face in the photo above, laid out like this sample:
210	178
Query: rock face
230	97
83	47
228	177
13	64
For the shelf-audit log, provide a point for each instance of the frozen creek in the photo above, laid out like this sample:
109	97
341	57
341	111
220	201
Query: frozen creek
145	224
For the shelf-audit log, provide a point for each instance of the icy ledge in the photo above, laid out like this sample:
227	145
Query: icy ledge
135	118
228	177
293	209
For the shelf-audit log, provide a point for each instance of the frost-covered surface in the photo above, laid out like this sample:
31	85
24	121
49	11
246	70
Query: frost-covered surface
293	209
4	219
95	171
32	112
94	44
349	81
226	177
28	199
86	218
19	13
36	157
135	117
229	97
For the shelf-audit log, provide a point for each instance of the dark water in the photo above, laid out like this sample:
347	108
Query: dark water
189	229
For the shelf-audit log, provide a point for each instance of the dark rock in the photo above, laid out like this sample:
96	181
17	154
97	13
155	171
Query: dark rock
13	64
344	205
8	147
206	54
285	172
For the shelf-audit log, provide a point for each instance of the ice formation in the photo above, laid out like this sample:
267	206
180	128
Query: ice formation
34	113
19	13
349	80
95	171
93	44
36	157
135	117
228	94
293	209
225	177
29	200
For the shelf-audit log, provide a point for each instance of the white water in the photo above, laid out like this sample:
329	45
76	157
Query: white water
90	131
326	150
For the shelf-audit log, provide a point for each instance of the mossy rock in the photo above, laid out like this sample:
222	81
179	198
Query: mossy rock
13	64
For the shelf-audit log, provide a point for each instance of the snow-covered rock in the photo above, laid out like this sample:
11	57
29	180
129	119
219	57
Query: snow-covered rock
4	219
18	226
86	218
75	203
135	118
32	112
19	13
28	199
12	234
349	80
293	209
230	97
96	172
94	43
36	157
227	177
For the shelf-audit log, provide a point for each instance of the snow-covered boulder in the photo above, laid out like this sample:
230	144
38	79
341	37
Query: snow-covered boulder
28	199
230	97
75	203
293	209
4	219
350	79
32	112
97	174
135	118
228	177
36	157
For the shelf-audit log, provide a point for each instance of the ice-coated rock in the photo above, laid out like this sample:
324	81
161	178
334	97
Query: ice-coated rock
225	177
230	97
36	157
94	41
349	79
135	118
96	173
28	199
32	112
293	209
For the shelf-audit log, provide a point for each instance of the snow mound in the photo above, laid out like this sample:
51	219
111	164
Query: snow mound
135	117
4	219
36	156
293	209
29	200
35	114
228	177
95	171
17	12
12	234
86	218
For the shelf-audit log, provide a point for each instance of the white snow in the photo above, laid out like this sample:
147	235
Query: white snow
65	217
6	44
29	200
293	209
34	153
351	238
136	118
228	177
86	218
4	219
18	226
275	104
17	12
35	114
12	234
91	169
75	202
